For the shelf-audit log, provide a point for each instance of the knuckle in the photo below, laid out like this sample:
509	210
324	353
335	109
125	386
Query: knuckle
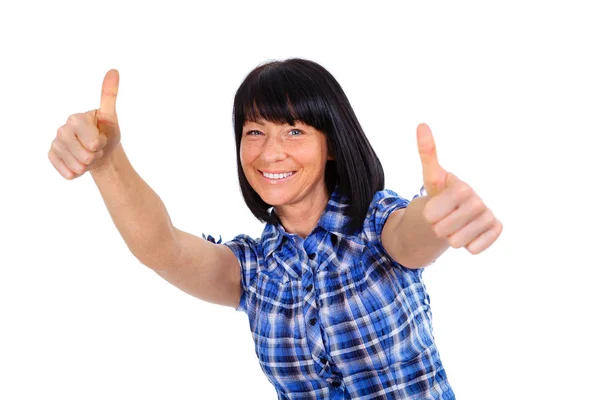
499	228
94	144
85	159
491	218
53	160
426	216
73	119
63	133
55	147
479	205
80	169
428	210
465	190
88	159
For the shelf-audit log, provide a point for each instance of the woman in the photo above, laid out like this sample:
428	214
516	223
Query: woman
333	287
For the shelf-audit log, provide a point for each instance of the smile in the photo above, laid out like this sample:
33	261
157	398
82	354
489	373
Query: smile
277	177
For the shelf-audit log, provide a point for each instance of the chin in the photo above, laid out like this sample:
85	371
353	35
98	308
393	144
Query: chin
274	197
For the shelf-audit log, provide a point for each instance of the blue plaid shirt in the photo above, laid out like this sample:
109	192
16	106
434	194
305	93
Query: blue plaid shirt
333	316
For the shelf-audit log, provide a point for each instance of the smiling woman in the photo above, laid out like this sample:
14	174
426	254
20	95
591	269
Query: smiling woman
333	293
333	314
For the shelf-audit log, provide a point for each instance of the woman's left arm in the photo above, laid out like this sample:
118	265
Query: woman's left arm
451	215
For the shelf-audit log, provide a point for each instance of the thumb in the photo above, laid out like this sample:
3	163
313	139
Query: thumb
108	99
434	176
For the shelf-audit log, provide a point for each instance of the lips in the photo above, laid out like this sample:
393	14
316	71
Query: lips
277	180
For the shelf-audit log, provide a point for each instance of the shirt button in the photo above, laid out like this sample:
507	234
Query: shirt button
336	384
312	256
309	287
323	360
312	321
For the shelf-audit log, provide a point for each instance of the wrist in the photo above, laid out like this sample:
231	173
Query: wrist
111	164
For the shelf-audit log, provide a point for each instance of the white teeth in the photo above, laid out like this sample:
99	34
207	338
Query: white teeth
277	176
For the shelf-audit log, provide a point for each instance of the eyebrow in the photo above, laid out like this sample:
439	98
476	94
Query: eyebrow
257	122
263	124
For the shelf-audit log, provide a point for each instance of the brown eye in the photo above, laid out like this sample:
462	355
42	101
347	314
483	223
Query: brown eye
298	131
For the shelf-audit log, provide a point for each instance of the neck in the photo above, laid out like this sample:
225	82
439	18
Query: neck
302	218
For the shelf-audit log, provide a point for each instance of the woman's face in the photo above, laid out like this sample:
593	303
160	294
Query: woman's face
284	164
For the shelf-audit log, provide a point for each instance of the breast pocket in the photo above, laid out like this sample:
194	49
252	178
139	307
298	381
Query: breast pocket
374	316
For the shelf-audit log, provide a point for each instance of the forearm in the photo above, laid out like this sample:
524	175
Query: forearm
137	211
420	243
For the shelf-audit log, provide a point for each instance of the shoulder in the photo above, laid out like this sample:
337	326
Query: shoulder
386	203
388	196
243	243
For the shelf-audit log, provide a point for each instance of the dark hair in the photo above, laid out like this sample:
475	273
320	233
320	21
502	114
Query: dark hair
302	90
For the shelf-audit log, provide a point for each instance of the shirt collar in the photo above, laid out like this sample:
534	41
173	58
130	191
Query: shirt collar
332	220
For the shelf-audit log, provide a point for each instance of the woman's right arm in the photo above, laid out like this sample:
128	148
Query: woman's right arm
205	270
91	142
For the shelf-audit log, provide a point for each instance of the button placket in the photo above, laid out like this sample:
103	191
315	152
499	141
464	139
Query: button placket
325	363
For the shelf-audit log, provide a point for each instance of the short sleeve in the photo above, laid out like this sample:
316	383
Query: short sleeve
246	251
383	204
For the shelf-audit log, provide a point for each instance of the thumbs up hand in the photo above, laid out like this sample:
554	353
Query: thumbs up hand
86	141
454	210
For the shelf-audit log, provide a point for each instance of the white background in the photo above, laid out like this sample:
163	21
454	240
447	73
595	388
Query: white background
510	91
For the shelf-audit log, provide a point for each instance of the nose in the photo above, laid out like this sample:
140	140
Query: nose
273	150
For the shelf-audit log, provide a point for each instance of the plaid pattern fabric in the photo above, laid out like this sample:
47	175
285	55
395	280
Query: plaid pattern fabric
333	316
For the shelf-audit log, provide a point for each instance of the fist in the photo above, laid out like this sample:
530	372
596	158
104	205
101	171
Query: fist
87	140
454	211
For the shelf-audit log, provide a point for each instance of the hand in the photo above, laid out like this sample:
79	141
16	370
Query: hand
454	210
86	141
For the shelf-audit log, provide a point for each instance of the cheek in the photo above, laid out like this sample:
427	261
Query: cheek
313	156
246	154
